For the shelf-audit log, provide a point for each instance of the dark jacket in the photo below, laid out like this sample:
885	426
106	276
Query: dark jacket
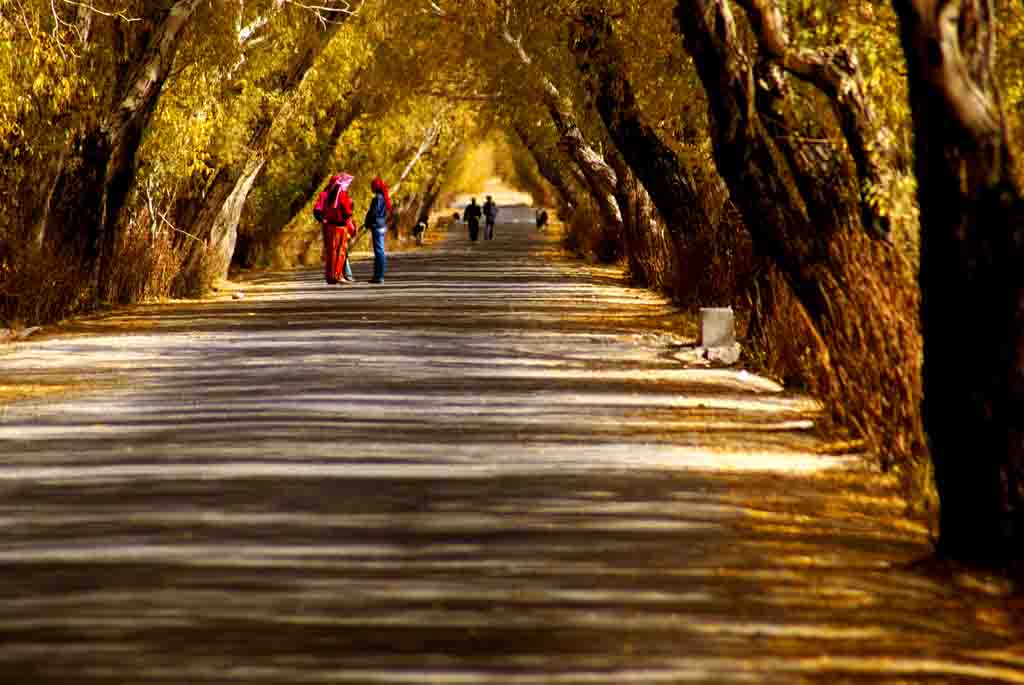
377	213
490	211
471	213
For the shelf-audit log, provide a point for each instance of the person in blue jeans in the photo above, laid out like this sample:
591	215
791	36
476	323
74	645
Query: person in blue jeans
377	216
490	214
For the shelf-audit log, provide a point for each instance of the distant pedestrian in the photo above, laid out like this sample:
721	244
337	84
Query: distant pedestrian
490	214
471	215
334	210
377	217
542	219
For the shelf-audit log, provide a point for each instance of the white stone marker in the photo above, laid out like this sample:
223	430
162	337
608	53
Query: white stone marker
717	327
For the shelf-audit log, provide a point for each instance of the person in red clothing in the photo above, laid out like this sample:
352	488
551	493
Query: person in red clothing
334	210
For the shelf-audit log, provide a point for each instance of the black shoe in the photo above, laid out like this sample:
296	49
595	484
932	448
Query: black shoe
375	280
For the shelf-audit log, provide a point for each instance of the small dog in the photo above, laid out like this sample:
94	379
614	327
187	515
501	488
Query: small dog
418	232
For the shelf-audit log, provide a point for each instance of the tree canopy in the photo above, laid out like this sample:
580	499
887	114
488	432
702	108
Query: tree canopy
803	161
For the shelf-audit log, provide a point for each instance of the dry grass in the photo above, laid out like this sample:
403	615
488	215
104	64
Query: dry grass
864	367
195	278
717	265
40	286
146	266
583	234
47	285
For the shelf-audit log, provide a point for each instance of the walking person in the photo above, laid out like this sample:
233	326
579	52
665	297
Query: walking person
334	210
471	215
377	217
490	214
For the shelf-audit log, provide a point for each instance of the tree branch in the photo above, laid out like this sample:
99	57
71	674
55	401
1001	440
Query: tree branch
449	95
325	14
836	73
430	139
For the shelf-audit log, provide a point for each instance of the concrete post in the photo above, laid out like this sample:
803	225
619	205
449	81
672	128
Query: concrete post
717	327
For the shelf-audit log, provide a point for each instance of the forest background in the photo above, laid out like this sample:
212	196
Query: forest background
840	172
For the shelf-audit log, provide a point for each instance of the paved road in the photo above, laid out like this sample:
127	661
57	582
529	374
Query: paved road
491	469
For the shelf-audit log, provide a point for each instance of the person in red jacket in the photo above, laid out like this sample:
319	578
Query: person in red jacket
334	210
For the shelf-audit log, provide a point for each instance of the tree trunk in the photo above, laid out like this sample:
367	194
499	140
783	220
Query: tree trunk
211	240
801	202
344	114
649	249
340	116
224	233
600	177
430	195
564	184
37	214
209	258
671	184
972	286
835	72
432	190
416	204
99	177
603	183
430	138
403	218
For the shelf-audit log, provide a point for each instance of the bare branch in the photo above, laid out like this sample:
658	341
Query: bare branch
327	14
85	9
836	73
430	138
164	220
57	23
120	14
24	16
449	95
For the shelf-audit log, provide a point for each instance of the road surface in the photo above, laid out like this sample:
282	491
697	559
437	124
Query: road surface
497	467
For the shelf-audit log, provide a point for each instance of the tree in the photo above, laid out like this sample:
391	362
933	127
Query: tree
550	167
99	170
650	251
789	171
217	223
599	174
972	286
664	174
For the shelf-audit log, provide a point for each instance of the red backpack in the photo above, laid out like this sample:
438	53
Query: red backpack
330	206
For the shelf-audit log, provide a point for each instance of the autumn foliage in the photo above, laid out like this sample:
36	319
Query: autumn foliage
753	153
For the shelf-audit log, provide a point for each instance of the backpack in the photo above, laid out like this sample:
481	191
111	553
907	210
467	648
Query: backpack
377	213
329	207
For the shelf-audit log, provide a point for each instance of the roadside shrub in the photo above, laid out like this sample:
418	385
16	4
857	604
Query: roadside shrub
581	233
717	264
836	365
40	287
146	262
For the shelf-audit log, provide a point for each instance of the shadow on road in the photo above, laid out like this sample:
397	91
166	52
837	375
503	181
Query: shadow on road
480	472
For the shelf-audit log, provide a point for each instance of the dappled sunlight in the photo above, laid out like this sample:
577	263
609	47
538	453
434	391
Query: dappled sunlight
503	195
491	464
